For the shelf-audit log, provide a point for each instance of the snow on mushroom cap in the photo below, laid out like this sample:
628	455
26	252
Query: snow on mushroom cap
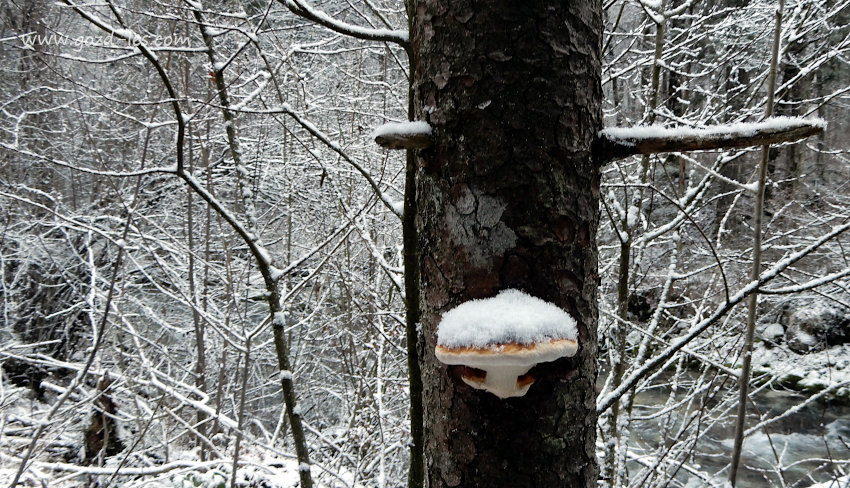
511	317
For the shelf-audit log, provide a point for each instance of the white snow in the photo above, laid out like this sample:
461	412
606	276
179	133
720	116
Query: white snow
656	17
632	217
254	94
615	205
814	371
397	206
510	317
280	318
653	4
275	273
402	129
737	129
773	331
398	36
842	482
806	339
264	254
215	32
127	34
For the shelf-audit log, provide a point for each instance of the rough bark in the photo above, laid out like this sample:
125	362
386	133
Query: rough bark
508	198
416	468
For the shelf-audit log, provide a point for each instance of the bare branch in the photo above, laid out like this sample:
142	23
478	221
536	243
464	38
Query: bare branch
621	142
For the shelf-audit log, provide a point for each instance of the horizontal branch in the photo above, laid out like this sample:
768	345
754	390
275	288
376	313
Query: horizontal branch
621	142
303	9
403	135
91	171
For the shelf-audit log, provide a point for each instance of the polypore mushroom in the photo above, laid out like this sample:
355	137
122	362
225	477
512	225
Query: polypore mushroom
499	339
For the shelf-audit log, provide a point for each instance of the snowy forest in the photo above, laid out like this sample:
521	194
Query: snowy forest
210	270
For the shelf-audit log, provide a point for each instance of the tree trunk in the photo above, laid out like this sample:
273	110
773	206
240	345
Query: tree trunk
508	198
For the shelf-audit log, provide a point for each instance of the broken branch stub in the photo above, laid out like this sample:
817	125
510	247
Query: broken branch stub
404	141
621	142
403	135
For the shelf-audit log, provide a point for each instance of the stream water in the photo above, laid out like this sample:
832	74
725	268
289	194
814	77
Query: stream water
811	446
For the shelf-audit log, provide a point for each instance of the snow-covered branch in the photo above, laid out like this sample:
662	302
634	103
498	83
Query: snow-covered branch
394	206
303	9
83	169
257	249
603	404
620	142
136	40
403	135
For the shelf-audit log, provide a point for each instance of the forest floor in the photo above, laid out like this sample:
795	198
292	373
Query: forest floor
822	375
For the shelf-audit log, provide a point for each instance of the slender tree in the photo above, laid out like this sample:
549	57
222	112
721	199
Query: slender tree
752	303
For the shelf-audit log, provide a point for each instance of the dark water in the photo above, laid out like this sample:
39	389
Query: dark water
808	445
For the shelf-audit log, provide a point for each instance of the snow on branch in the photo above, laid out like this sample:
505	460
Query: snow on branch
620	142
395	207
302	8
403	135
604	403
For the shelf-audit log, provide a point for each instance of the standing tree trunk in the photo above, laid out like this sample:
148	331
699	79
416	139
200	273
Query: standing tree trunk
508	198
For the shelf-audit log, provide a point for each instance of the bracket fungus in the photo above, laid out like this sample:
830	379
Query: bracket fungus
500	339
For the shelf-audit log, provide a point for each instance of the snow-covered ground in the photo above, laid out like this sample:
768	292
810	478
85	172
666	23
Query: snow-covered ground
184	471
56	462
813	372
